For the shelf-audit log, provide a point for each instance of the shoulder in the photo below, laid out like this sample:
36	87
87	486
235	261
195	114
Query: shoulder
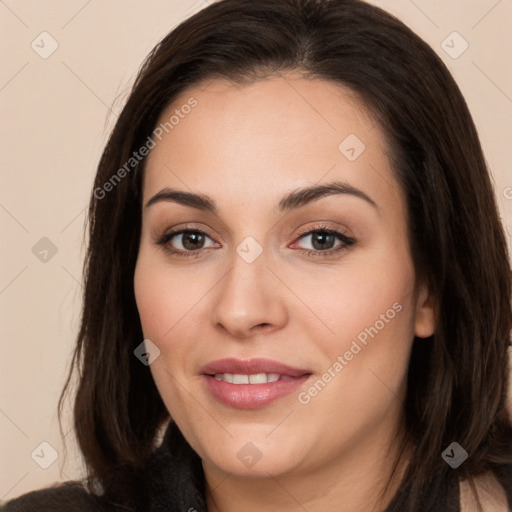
68	497
172	475
490	492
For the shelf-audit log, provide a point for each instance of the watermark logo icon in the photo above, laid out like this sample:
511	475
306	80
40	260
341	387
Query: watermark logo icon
44	455
44	250
44	45
454	455
249	455
249	249
147	352
351	147
454	45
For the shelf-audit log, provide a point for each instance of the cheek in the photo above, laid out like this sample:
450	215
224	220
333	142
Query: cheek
375	330
165	297
368	306
151	299
163	315
366	295
160	310
171	308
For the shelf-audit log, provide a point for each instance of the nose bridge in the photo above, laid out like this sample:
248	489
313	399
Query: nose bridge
248	296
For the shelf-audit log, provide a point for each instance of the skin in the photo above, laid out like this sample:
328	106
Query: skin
246	146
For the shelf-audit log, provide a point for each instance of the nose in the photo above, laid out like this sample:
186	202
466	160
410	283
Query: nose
249	300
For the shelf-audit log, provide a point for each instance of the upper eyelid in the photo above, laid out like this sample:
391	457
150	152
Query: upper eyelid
323	226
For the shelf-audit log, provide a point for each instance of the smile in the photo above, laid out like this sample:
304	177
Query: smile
251	384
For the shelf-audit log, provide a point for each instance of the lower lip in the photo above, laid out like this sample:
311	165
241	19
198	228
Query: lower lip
252	396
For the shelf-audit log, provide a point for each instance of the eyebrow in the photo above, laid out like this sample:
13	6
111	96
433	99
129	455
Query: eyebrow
293	200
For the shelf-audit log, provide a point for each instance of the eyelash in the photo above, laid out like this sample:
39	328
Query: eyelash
347	242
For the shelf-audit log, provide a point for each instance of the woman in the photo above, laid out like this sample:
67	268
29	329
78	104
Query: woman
295	254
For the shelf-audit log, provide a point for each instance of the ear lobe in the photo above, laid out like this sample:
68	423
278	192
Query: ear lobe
424	320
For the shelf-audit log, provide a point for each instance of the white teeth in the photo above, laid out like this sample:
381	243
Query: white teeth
256	378
226	377
240	379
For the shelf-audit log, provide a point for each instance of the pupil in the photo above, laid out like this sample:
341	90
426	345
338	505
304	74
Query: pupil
325	239
195	238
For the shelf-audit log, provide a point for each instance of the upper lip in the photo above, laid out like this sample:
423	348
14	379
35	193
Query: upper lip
250	367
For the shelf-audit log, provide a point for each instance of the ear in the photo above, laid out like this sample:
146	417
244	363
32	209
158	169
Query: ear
424	319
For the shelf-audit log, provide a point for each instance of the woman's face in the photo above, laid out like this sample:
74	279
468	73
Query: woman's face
284	317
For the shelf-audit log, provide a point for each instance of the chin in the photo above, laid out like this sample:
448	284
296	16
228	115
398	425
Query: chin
269	465
255	457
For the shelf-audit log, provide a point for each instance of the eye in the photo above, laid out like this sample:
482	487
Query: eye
189	242
323	241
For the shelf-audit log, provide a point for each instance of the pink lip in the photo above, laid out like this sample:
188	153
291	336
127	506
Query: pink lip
251	366
251	396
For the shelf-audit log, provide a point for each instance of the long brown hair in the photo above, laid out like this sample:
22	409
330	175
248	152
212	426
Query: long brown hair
457	379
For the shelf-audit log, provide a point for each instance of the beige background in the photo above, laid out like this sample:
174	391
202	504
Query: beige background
56	114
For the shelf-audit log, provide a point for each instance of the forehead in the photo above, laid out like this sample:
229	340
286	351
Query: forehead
272	135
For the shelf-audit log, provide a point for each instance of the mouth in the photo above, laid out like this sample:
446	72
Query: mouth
251	384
